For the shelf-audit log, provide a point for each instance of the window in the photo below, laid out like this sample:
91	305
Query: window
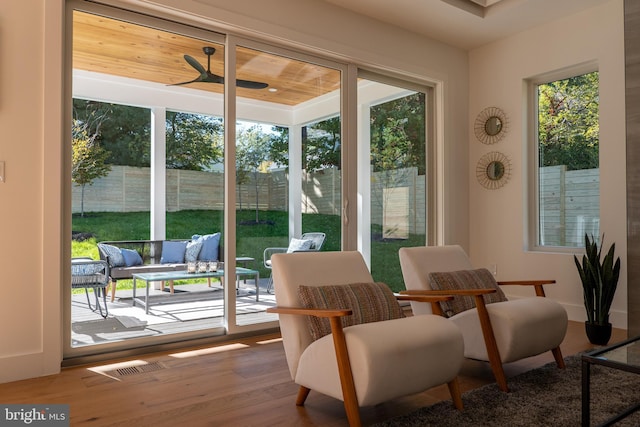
567	173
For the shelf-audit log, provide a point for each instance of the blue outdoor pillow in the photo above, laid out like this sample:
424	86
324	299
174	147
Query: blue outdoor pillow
131	257
113	253
173	252
193	250
210	244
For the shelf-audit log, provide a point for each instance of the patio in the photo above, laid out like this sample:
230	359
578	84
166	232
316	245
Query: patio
192	307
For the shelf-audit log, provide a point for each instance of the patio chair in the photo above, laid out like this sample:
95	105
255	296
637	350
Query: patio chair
495	329
347	337
93	274
308	242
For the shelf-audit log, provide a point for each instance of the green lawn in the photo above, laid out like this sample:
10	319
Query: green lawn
252	238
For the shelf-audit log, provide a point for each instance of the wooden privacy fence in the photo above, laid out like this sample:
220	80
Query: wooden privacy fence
128	189
569	205
397	197
569	202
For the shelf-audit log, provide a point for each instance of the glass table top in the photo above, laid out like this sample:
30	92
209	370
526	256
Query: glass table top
182	274
624	353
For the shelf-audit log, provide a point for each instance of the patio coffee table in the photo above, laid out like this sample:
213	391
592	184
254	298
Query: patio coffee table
183	275
624	356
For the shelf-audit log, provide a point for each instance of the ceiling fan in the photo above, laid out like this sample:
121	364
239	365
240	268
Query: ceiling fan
206	76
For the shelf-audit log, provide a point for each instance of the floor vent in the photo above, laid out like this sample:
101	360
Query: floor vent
141	369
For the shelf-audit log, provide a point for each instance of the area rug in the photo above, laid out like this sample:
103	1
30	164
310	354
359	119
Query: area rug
547	396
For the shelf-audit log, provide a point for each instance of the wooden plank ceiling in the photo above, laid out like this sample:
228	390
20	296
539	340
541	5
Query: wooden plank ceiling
124	49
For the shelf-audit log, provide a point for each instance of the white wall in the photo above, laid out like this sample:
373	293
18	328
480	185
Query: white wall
35	199
497	220
30	217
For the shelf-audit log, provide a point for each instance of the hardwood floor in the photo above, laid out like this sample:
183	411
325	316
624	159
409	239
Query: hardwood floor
242	382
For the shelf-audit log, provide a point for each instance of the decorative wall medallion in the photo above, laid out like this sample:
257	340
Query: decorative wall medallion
493	170
490	125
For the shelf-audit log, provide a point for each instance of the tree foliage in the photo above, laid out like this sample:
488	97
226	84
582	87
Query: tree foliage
398	134
88	157
568	128
253	156
194	141
279	146
321	145
125	132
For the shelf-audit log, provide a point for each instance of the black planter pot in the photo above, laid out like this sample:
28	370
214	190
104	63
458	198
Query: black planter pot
598	334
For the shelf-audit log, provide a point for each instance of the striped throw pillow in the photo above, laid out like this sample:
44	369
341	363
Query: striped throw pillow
465	279
370	302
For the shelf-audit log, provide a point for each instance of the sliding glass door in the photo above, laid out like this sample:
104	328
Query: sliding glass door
393	141
155	174
196	150
287	167
147	163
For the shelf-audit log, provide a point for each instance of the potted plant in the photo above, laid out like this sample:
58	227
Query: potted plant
599	278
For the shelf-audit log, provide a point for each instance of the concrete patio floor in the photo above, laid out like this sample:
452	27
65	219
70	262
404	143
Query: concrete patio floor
192	307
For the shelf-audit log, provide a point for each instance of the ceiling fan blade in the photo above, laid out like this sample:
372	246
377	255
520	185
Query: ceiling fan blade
199	79
248	84
195	64
206	76
213	78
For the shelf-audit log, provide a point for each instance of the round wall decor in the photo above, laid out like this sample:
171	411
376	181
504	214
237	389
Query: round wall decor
493	170
490	125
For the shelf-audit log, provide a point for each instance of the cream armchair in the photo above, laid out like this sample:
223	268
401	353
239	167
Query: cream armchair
499	332
364	364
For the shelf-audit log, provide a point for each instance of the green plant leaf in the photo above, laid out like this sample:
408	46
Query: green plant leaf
599	276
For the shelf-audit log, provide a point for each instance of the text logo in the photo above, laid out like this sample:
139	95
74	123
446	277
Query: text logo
34	415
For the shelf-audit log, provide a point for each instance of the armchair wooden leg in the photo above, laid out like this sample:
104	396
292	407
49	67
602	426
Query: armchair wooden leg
113	289
490	342
302	395
557	354
346	375
353	413
456	395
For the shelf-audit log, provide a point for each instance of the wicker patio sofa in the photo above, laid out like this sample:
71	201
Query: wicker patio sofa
128	257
